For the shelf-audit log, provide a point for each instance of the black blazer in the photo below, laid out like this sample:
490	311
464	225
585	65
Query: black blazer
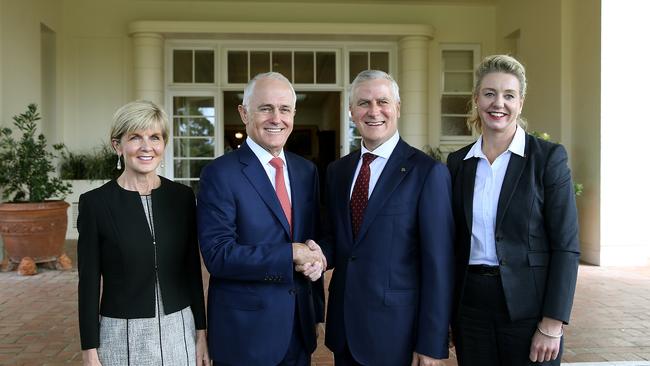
536	229
115	244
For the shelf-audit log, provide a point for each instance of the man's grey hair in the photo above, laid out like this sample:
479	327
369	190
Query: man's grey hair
373	75
250	87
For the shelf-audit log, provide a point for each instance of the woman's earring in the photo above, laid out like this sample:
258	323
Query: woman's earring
162	163
119	163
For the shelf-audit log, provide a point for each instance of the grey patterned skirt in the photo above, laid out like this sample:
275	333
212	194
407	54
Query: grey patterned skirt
166	339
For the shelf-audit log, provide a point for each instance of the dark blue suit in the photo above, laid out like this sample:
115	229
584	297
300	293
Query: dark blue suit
246	245
391	290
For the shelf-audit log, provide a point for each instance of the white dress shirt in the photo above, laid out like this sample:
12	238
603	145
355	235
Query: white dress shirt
383	152
487	187
265	157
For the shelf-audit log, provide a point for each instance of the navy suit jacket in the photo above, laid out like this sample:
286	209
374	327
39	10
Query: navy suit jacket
536	229
246	245
391	290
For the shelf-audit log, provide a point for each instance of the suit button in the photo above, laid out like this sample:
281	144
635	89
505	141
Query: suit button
502	262
498	238
292	292
352	258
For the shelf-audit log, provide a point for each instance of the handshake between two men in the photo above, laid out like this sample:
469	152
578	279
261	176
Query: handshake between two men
309	259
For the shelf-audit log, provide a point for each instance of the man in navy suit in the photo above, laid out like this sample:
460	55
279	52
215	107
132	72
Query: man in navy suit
257	206
390	243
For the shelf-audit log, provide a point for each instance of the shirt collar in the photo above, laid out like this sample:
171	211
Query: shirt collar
262	154
384	150
517	145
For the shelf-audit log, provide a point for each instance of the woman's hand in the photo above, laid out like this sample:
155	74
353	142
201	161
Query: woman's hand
545	345
202	355
90	357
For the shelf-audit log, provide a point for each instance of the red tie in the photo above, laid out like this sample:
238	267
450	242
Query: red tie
281	188
359	199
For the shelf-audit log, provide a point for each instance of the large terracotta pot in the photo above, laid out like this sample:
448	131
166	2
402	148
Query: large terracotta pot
35	230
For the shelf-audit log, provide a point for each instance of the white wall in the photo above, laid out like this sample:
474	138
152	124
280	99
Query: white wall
624	132
539	24
21	59
99	61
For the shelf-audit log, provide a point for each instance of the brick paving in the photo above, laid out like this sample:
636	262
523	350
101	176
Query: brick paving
610	322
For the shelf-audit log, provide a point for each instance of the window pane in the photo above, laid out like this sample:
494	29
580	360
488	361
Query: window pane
354	138
379	61
303	67
182	66
457	60
325	68
195	148
458	82
237	67
204	66
282	63
193	126
194	184
358	63
260	62
456	104
194	106
189	168
455	126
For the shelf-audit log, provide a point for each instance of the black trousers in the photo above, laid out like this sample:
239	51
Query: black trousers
345	358
485	336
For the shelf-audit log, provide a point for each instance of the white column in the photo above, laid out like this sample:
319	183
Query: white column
148	67
414	93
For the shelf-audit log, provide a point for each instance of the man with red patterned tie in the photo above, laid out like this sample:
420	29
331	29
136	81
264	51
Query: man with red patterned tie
390	242
257	207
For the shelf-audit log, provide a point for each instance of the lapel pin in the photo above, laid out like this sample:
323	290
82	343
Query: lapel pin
403	169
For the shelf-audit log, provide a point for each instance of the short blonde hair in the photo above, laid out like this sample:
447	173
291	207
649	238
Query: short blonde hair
496	63
139	115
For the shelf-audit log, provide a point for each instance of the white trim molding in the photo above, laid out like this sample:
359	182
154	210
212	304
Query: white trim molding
333	29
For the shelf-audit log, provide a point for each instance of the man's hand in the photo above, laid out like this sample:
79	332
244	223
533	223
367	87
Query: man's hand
315	247
303	254
312	263
312	270
422	360
543	347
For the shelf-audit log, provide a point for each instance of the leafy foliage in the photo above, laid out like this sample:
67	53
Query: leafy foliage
26	164
96	165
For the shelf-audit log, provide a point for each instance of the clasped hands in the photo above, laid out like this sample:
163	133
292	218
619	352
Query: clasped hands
309	259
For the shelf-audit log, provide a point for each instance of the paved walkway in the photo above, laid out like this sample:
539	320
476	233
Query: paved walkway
610	322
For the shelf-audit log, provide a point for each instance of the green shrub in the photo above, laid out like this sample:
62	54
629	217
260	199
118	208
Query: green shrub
98	164
26	168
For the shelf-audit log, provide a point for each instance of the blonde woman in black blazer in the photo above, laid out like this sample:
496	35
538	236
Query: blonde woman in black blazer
140	289
517	244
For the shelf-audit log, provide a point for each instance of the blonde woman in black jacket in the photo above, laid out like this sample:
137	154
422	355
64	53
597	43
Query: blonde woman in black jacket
516	231
140	288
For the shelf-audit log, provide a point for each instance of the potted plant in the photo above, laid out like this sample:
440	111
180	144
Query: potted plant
33	218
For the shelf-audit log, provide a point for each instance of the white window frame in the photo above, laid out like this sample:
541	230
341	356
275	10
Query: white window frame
450	141
220	48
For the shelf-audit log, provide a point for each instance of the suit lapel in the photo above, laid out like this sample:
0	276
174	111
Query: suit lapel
397	167
298	195
256	175
344	182
469	178
510	181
